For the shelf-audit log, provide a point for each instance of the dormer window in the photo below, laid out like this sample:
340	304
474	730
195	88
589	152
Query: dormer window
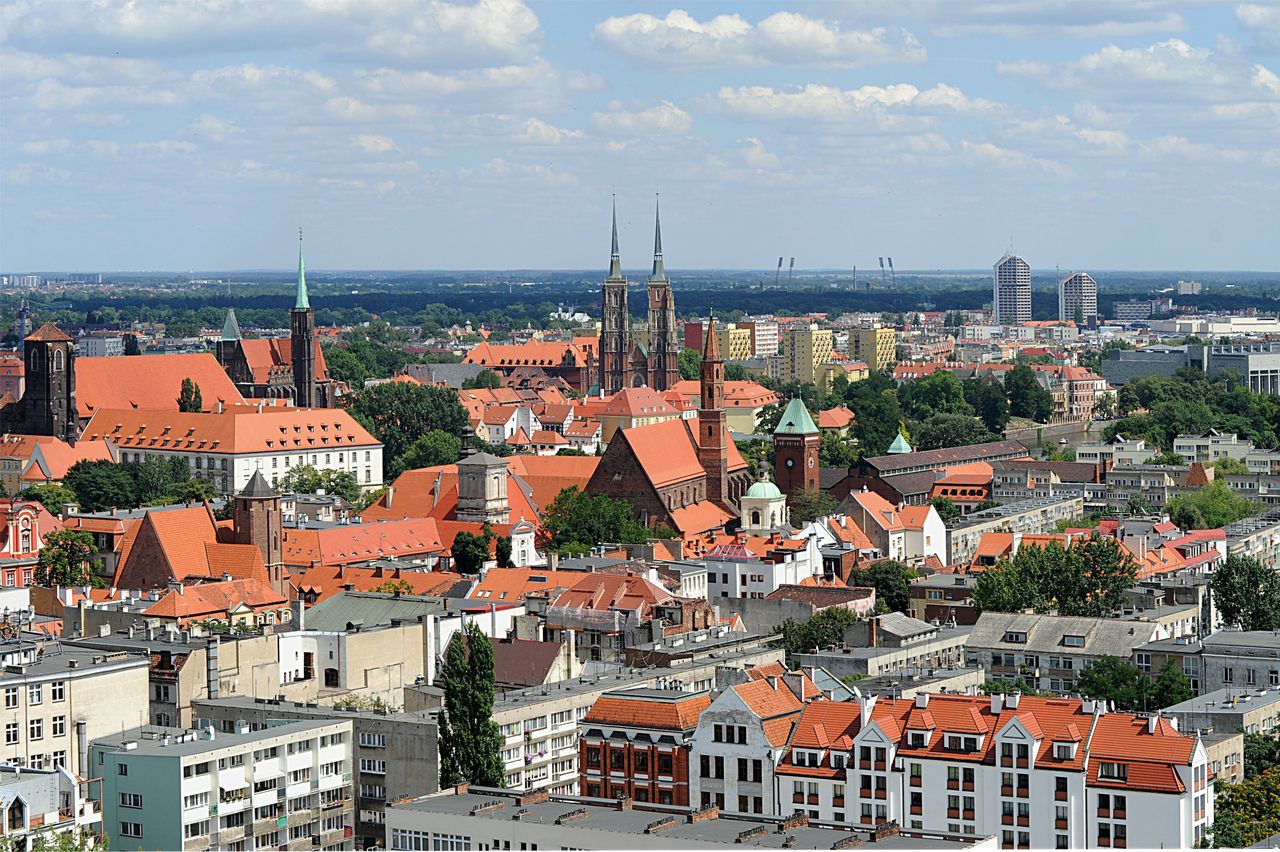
960	742
1017	637
917	739
1073	641
1064	751
1114	771
837	760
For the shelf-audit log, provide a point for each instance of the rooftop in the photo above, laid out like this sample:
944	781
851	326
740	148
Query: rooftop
183	742
1237	701
995	513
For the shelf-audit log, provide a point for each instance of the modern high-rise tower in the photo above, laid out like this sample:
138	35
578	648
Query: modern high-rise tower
1077	297
1011	304
615	322
664	337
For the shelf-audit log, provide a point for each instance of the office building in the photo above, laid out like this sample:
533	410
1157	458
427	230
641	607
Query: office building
1011	304
286	787
1077	298
100	345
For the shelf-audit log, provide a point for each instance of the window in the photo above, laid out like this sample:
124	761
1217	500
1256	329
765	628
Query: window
11	733
377	767
59	726
130	800
10	697
195	829
1114	771
130	829
34	693
122	769
35	729
1070	641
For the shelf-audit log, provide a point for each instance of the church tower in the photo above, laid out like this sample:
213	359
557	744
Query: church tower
48	405
795	449
664	341
302	342
258	520
713	437
615	321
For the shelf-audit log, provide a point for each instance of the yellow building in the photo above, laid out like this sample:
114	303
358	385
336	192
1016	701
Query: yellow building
735	342
853	371
802	354
876	345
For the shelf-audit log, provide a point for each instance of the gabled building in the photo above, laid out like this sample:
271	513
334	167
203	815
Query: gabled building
25	525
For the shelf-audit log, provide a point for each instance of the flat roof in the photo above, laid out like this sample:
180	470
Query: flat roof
974	519
321	711
602	816
1238	701
58	658
148	739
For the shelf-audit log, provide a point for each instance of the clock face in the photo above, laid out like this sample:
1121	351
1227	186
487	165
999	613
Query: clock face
791	463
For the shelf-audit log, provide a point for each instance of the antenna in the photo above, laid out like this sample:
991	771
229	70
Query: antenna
855	277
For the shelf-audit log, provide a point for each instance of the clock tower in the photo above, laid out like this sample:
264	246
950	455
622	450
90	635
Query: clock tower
795	450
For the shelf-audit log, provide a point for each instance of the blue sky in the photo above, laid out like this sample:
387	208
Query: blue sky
403	134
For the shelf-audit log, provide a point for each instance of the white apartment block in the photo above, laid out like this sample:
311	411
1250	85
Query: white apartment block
227	447
1011	279
283	787
1077	296
1036	773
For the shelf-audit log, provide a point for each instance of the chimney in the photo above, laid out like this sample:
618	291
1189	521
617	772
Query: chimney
1011	700
1152	722
922	700
390	493
997	703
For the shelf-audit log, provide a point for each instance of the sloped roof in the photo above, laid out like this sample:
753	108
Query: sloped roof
796	420
237	431
339	545
664	451
149	382
700	517
324	581
216	599
677	712
523	662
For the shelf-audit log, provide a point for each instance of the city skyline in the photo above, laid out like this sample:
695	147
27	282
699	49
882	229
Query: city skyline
1091	135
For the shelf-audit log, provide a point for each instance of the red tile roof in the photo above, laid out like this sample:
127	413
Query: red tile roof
149	382
342	545
240	430
215	600
619	709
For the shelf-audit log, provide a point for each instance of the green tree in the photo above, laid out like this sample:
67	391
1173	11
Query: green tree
940	392
67	559
1005	685
434	448
735	372
1166	458
824	628
576	521
890	579
392	587
947	509
989	401
835	450
875	402
1171	686
52	497
1088	578
471	550
194	490
306	479
154	478
397	413
1261	752
1026	397
483	379
502	551
131	346
806	505
690	363
189	398
1213	506
950	430
470	741
1249	812
1227	465
1113	679
101	485
1247	593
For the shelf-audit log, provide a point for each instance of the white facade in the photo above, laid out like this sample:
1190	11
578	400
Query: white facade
1011	279
99	346
1077	293
229	473
756	578
731	761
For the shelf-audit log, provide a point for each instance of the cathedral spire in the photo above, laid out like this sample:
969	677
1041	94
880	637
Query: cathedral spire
659	272
301	303
711	346
615	259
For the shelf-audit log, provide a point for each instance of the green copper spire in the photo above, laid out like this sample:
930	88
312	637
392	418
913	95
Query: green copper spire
302	303
615	259
796	420
899	446
659	272
231	328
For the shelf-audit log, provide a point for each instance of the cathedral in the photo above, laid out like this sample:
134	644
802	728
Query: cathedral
291	368
624	363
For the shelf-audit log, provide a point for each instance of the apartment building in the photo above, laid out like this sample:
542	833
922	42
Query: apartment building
1036	773
57	698
892	643
286	787
1077	297
876	346
1211	446
1240	660
1117	452
1011	291
40	806
393	754
1030	517
802	352
764	337
227	447
1254	711
1257	537
634	744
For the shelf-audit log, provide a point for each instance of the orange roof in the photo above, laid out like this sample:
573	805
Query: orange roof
738	393
913	517
512	584
665	452
680	714
701	517
637	403
274	355
844	529
835	418
535	353
341	545
21	446
216	600
54	458
241	430
879	510
326	580
612	592
149	382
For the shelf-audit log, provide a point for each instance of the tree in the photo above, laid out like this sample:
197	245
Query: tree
875	402
52	497
502	551
397	413
67	559
950	430
1261	752
1247	593
194	490
100	485
947	509
483	379
131	346
394	587
1171	686
470	741
690	363
1005	685
1105	407
1059	454
1113	679
835	450
1208	508
735	372
155	478
1026	397
576	521
306	479
189	398
1167	458
1088	578
825	627
806	505
940	392
890	579
470	550
1249	812
434	448
1228	465
989	402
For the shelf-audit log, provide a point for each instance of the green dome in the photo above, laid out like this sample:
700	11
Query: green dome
764	490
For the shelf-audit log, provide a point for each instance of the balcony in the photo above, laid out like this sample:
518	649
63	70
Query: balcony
1024	821
864	792
916	781
1118	813
1006	819
837	801
1060	824
1024	793
1104	842
953	783
968	814
1006	790
1059	795
797	798
880	767
1104	812
1120	843
812	798
953	813
967	786
1023	762
916	810
882	794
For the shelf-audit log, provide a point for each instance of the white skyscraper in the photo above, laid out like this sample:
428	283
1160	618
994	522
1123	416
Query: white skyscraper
1077	297
1012	300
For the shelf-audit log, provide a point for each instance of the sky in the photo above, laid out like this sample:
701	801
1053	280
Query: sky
430	134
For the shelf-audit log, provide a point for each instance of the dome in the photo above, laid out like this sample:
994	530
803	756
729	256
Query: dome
764	490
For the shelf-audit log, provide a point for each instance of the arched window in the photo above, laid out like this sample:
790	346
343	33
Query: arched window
755	517
33	361
57	360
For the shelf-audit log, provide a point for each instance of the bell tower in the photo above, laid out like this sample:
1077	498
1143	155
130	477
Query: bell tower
713	438
615	322
258	520
664	342
302	341
48	404
795	450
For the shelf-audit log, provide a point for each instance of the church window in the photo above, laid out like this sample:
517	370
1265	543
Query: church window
755	518
34	366
57	360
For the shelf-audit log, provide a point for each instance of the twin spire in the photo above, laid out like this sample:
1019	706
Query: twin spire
659	274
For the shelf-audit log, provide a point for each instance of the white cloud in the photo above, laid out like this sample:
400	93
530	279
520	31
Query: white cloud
1016	19
46	146
755	156
37	173
501	170
214	128
665	119
1113	139
535	85
373	143
784	38
1265	79
882	107
1007	158
165	147
1262	20
539	132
